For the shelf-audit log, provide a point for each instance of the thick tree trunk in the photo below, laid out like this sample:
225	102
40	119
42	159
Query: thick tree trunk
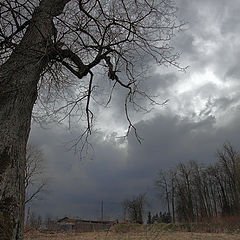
15	117
18	91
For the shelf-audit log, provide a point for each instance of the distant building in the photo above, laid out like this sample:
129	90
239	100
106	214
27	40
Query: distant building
79	225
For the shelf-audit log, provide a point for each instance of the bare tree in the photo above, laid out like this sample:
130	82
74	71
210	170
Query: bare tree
201	191
55	46
135	208
35	180
162	183
165	183
229	164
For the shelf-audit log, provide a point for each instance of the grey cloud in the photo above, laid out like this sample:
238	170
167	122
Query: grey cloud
224	103
77	187
204	45
231	21
209	22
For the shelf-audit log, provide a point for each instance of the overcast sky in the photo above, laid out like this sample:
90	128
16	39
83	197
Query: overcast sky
202	114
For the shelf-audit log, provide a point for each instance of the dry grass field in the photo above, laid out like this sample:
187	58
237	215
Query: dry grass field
133	236
136	233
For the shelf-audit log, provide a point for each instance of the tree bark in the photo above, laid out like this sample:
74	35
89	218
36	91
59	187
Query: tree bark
19	77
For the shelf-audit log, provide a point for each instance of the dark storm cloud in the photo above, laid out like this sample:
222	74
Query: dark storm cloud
193	125
168	140
78	187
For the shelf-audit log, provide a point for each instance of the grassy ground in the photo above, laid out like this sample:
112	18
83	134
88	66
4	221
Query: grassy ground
140	232
134	236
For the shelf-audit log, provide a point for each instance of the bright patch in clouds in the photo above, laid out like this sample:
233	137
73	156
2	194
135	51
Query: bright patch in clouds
198	80
205	47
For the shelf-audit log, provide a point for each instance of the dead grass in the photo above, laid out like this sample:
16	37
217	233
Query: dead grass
131	235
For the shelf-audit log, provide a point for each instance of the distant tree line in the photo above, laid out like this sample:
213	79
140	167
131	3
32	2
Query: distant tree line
164	217
196	192
35	178
134	208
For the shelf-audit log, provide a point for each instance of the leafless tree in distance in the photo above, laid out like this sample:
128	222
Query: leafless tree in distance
35	179
165	184
55	46
134	208
199	192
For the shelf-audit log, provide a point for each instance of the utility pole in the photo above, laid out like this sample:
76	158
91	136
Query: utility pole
102	210
124	214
